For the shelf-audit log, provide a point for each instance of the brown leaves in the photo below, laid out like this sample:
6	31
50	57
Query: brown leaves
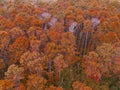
4	40
2	66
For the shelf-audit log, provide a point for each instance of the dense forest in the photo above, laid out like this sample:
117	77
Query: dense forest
65	45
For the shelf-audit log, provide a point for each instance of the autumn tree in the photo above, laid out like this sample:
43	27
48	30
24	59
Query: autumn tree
54	88
36	82
102	63
6	84
4	40
92	66
80	86
14	74
17	48
15	33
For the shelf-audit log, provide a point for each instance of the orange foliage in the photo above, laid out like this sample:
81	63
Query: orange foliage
15	33
16	49
6	85
54	88
2	66
55	36
22	87
80	86
4	40
36	82
37	41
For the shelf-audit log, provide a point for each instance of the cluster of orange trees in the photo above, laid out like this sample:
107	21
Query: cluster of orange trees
67	45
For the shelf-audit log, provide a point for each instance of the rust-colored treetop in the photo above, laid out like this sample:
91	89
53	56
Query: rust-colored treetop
59	45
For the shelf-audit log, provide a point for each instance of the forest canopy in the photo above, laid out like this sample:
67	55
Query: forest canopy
60	45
